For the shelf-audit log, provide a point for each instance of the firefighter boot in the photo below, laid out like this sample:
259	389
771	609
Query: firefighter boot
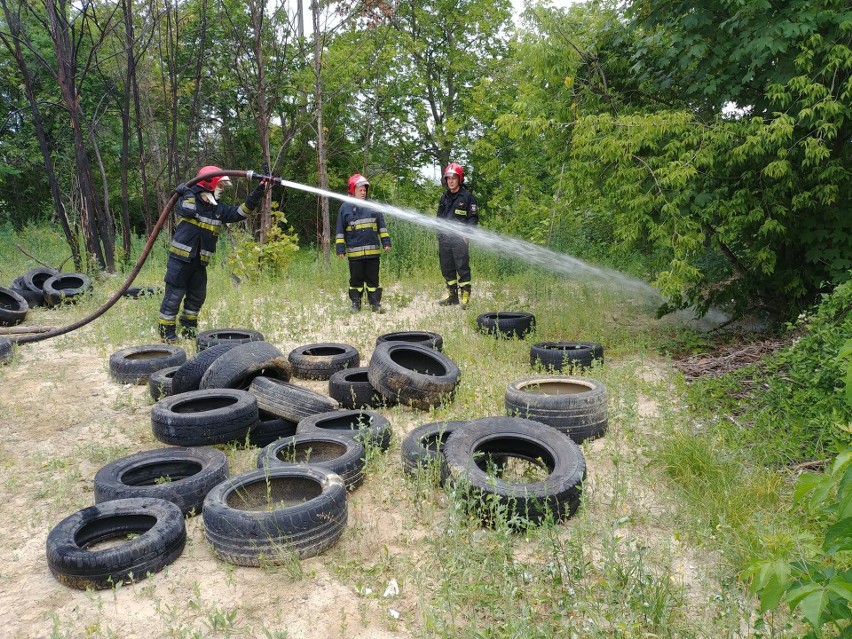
167	333
375	299
188	327
452	297
465	297
355	296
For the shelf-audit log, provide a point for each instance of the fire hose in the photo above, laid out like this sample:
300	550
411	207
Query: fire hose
142	256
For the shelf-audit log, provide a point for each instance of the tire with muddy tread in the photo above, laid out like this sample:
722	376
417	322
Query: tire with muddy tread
34	279
160	382
6	351
321	361
413	375
557	494
576	406
289	401
351	387
237	367
206	339
65	287
188	376
368	427
135	364
34	300
423	447
265	516
424	338
182	476
13	307
271	428
159	536
204	417
338	453
508	324
558	355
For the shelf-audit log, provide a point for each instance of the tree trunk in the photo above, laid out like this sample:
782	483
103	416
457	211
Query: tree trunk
325	238
262	114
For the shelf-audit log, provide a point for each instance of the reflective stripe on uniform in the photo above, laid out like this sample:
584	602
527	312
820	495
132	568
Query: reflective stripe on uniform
167	320
452	282
371	251
464	283
189	204
213	226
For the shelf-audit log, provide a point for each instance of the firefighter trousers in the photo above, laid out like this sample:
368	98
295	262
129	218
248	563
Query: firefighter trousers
185	282
454	258
364	274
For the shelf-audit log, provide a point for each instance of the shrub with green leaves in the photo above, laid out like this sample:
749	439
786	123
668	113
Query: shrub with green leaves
249	258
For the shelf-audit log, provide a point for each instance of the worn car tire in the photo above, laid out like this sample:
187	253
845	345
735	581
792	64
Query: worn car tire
188	376
271	428
424	338
507	324
367	426
558	494
288	400
13	307
338	453
34	279
263	516
190	474
34	300
321	361
351	387
6	351
65	287
135	364
135	292
565	355
413	375
238	366
206	339
423	448
161	538
204	417
576	406
160	382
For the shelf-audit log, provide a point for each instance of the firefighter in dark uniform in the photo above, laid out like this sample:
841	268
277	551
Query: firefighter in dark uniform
199	219
361	236
457	206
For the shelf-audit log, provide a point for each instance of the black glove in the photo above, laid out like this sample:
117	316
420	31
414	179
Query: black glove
181	189
253	200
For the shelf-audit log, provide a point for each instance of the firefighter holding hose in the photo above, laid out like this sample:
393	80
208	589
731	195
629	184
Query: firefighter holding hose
199	218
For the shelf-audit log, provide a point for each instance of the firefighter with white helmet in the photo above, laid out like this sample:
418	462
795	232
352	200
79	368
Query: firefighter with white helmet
199	218
457	206
362	236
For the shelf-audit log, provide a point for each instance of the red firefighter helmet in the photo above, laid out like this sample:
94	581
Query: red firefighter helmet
210	184
357	180
453	169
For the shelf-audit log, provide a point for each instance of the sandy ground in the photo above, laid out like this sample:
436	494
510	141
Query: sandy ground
63	417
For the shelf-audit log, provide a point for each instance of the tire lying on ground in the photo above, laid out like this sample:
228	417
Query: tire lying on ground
287	400
238	366
182	476
204	417
556	494
264	516
413	375
33	299
368	427
206	339
5	350
321	361
424	338
576	406
271	428
13	307
160	382
75	560
338	453
135	292
423	448
559	355
135	364
34	279
351	387
506	323
65	287
188	376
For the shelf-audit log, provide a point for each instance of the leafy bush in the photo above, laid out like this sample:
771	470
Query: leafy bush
249	258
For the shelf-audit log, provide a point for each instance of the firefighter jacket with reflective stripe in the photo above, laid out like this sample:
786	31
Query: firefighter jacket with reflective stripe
198	224
459	207
361	232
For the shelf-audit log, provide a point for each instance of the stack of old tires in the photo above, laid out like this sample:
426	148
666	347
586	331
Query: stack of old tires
43	286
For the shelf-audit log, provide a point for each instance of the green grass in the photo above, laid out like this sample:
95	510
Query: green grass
672	510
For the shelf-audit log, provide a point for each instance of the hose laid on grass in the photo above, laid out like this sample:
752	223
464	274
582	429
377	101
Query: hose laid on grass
139	262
